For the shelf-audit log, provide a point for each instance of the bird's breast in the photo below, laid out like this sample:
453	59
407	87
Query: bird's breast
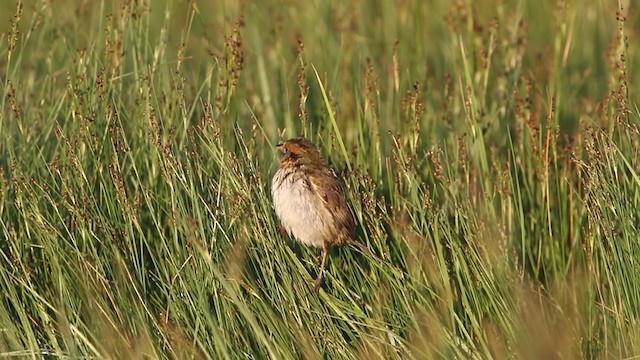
296	206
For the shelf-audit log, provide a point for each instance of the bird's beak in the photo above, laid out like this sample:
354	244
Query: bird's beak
280	147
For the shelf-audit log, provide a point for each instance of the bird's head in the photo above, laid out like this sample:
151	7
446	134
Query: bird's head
299	150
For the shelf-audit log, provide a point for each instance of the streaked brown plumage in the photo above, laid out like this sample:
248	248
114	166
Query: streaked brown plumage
309	200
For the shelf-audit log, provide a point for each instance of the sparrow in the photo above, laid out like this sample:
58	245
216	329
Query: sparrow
310	202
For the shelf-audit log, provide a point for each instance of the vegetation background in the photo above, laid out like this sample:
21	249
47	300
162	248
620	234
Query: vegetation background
490	150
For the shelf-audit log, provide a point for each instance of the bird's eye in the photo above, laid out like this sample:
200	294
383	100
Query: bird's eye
282	148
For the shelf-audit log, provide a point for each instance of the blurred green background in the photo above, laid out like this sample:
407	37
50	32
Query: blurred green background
488	148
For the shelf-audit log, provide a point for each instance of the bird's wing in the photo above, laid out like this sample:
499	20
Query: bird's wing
330	191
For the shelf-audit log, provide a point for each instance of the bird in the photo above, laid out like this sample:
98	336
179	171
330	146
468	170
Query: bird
310	202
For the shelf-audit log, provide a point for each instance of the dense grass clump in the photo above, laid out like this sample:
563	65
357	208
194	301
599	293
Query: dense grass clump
490	153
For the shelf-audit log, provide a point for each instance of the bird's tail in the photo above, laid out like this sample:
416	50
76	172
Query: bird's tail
364	249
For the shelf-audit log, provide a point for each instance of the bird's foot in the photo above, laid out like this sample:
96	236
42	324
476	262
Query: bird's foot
318	283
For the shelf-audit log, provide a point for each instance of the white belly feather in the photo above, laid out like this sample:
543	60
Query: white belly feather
292	203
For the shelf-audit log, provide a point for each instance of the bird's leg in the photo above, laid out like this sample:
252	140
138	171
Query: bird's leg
325	253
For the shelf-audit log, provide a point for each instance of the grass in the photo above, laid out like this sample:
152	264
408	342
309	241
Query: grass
490	153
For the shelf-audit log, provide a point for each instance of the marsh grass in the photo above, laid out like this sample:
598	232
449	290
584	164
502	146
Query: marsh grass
490	153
